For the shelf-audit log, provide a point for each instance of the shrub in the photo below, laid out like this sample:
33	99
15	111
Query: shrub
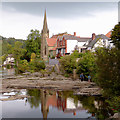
8	66
37	65
68	63
23	66
53	57
66	75
87	64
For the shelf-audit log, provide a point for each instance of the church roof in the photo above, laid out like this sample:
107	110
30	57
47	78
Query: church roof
51	41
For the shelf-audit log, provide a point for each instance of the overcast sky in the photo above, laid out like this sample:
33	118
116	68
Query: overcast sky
84	18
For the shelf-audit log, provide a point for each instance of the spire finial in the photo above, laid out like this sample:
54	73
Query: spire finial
45	28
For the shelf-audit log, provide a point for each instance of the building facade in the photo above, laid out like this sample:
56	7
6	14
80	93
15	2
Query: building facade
66	44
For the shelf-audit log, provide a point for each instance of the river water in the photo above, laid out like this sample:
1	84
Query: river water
54	104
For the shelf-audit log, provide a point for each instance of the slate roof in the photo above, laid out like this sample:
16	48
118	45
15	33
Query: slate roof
101	36
72	37
84	39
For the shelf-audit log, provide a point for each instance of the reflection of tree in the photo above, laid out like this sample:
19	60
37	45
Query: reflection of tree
102	112
34	100
94	104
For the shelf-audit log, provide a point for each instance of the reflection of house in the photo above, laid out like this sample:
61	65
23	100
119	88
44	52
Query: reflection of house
67	105
9	60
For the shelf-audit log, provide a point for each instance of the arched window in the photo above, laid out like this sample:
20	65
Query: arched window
45	50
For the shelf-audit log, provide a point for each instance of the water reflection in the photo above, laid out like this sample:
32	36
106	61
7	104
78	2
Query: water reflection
69	103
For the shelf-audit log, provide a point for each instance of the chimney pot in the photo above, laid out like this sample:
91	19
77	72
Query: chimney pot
74	33
93	36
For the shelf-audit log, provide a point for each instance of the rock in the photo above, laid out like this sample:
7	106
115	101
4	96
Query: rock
37	74
53	74
14	97
11	77
45	75
26	73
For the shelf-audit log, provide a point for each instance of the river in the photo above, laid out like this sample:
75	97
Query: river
44	103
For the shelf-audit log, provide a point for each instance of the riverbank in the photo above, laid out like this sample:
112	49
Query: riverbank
55	82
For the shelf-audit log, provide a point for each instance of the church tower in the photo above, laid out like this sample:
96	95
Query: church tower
44	34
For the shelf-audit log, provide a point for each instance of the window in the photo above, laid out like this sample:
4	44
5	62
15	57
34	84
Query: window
45	50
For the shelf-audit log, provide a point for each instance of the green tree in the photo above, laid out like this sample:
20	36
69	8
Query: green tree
33	44
108	72
68	63
33	56
115	37
87	64
18	51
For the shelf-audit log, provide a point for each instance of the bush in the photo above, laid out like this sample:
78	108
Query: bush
37	65
23	66
66	75
68	63
53	57
87	64
8	66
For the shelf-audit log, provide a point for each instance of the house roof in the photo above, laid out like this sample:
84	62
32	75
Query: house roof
51	41
84	39
101	36
60	34
109	34
72	37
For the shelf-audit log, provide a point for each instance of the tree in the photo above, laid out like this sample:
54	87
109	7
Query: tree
33	44
108	72
18	51
33	56
115	37
87	64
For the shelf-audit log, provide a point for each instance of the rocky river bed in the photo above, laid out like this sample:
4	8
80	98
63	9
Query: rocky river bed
53	82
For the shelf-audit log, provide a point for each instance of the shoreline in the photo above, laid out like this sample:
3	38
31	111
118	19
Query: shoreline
56	83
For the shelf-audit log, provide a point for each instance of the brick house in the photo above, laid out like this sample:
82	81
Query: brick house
66	44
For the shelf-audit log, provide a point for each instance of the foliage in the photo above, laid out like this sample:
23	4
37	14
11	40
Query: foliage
115	37
18	51
23	66
76	54
66	75
8	66
68	63
114	103
9	43
37	65
53	57
33	44
35	98
108	72
33	56
87	64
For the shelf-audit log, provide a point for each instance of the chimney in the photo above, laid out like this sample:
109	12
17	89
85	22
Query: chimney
74	33
93	36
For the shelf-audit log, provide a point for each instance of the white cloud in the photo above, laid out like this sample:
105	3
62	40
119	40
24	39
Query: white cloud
18	25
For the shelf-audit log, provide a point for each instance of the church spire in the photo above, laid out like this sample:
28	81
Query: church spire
45	27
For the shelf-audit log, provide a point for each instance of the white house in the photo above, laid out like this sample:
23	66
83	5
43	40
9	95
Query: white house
99	41
9	60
